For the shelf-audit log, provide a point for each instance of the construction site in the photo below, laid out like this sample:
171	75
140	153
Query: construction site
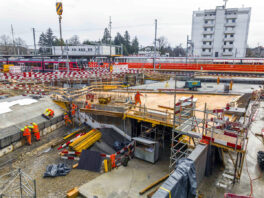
135	133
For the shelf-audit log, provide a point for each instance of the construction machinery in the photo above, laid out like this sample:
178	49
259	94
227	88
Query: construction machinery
193	85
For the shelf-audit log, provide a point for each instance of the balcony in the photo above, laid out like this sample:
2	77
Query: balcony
209	17
227	53
207	39
230	24
206	53
209	25
207	46
229	39
208	32
229	31
231	16
228	46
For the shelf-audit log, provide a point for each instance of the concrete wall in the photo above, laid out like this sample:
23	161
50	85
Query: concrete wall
199	156
11	138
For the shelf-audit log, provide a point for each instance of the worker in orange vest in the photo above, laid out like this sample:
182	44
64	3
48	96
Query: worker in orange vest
87	105
74	106
67	119
137	98
49	113
27	134
35	130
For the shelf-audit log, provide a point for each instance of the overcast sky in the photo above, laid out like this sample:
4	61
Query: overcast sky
88	18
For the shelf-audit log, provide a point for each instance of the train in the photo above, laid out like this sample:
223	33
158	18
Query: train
246	65
254	65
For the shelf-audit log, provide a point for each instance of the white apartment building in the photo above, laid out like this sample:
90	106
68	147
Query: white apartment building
220	32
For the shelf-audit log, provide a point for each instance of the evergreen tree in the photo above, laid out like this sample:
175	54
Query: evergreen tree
106	37
135	46
42	39
118	40
50	38
127	42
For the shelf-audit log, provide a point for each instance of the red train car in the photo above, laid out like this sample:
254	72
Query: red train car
194	64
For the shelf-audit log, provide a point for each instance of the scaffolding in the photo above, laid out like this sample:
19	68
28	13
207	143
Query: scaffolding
214	129
17	184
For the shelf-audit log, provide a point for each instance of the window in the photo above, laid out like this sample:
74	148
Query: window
225	35
206	22
232	35
203	50
233	20
231	42
230	50
209	50
204	43
210	43
205	29
212	29
224	43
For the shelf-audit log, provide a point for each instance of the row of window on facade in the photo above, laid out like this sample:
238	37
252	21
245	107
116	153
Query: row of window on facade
224	50
227	21
79	49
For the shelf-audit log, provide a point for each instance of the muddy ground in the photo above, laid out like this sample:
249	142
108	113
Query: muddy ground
34	159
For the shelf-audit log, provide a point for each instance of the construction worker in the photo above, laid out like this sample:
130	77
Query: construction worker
34	128
67	119
137	98
49	113
27	134
74	106
87	105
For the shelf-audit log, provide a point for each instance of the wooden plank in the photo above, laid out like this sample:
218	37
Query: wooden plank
153	184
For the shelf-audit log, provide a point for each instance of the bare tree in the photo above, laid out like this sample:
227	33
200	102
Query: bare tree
163	44
74	40
20	42
5	40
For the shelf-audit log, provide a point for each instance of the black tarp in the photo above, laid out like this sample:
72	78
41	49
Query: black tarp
90	160
181	183
54	170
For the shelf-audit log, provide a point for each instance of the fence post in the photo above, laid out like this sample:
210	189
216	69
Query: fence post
20	182
35	189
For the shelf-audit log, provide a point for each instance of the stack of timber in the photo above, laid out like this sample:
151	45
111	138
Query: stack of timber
85	141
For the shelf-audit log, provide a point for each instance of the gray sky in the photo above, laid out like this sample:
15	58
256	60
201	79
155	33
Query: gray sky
88	18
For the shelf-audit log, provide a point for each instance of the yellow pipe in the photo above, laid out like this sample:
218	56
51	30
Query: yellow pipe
85	139
78	140
88	143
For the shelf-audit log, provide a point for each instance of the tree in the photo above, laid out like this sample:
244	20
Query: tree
163	44
87	42
5	40
50	37
135	46
20	42
42	39
106	37
74	40
127	47
118	40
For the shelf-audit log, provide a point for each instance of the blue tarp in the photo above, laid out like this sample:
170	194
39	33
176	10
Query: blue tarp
181	183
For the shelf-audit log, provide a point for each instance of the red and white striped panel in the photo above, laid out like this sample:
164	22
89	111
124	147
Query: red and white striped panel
222	142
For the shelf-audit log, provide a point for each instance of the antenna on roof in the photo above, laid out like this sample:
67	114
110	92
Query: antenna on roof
225	3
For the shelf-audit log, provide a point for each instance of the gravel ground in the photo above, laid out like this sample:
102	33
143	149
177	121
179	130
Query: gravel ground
34	159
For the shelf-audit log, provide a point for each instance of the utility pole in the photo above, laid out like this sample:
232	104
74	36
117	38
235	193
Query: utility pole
110	31
34	38
225	3
59	12
14	46
155	45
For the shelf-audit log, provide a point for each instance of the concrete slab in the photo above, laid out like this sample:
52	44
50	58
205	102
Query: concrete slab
22	115
26	112
238	88
125	181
